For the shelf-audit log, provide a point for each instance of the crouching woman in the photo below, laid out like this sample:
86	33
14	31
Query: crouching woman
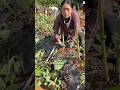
67	23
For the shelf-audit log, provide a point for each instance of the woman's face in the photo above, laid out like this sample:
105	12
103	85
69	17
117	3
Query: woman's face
66	10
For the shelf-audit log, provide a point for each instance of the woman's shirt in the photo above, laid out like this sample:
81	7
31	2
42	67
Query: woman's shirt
74	25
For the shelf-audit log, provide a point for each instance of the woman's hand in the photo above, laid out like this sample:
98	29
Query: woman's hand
56	39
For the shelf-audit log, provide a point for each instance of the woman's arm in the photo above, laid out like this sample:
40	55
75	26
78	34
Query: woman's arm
56	28
76	23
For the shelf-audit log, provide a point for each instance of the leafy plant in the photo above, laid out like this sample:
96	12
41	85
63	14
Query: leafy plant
8	72
43	75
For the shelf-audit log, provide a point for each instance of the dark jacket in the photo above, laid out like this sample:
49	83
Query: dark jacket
74	25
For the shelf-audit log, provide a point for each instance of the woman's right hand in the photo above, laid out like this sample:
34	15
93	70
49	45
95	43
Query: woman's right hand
56	39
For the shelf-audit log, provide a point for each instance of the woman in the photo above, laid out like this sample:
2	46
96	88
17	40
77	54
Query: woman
67	23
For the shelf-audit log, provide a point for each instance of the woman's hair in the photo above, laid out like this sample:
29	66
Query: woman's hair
67	2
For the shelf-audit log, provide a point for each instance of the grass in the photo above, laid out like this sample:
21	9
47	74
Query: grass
44	23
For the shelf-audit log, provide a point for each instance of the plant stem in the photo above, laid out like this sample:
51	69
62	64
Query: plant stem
78	47
118	48
63	38
102	32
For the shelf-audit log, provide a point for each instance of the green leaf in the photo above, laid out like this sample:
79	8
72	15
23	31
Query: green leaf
59	64
47	78
5	70
4	34
53	75
38	72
